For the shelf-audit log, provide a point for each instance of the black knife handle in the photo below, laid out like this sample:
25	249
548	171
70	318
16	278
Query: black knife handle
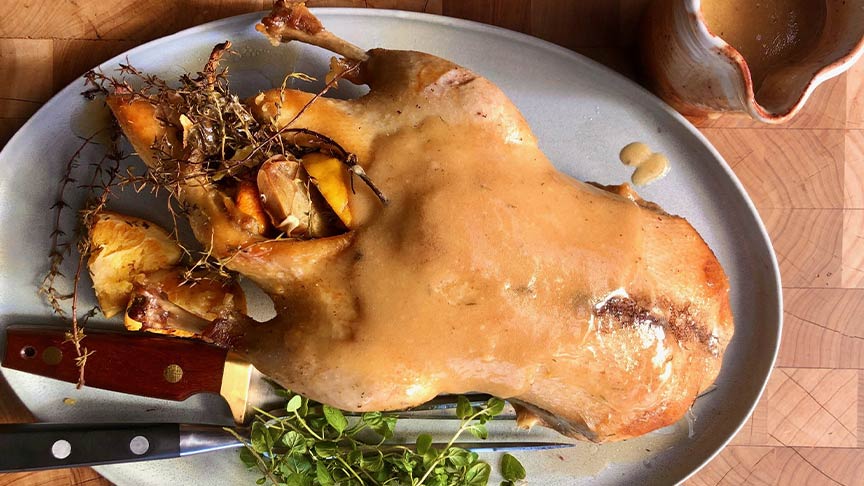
27	447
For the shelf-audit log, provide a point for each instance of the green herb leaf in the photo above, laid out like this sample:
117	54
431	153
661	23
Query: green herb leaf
260	438
424	442
430	457
459	457
375	464
297	480
479	431
478	474
335	418
494	406
247	458
463	408
326	449
294	441
511	468
379	423
294	404
322	474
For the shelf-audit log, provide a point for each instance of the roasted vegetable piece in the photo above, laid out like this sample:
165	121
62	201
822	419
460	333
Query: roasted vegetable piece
125	247
330	177
248	211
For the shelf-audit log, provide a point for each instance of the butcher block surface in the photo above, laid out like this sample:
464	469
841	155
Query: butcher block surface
805	177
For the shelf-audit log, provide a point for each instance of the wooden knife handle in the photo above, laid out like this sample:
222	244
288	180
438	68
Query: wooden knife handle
140	364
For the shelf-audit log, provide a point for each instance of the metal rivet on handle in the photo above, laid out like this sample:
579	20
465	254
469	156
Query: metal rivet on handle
52	355
61	449
139	445
173	373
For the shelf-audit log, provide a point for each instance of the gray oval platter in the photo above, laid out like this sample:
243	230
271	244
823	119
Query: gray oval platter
582	113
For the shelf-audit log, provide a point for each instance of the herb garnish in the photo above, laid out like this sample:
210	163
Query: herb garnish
317	445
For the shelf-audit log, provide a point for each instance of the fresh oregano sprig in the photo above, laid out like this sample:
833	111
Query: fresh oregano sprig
317	445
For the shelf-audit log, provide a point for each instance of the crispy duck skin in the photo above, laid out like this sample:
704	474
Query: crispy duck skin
594	311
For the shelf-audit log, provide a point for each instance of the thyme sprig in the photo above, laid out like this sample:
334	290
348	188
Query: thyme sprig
99	190
317	445
61	244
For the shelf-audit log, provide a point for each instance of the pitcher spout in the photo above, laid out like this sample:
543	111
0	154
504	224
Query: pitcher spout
705	57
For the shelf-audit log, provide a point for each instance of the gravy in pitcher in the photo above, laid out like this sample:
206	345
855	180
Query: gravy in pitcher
767	33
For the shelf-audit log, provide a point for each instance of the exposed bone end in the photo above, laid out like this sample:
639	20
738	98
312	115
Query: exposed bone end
293	21
151	310
528	415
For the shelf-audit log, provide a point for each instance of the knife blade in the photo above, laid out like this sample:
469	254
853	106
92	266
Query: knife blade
143	364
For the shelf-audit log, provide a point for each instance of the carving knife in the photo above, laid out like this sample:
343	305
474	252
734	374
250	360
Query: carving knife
158	367
172	369
143	364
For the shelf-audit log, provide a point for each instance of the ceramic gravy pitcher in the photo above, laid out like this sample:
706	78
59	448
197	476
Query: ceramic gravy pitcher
689	59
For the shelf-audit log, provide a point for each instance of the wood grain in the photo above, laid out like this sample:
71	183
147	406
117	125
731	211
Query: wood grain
770	164
139	20
25	67
8	127
783	466
510	15
808	245
855	96
853	249
853	172
812	407
67	477
575	24
74	57
823	328
806	178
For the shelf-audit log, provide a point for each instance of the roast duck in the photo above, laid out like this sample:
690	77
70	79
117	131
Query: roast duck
415	242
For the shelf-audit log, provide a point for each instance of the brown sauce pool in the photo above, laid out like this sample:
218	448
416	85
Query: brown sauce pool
768	33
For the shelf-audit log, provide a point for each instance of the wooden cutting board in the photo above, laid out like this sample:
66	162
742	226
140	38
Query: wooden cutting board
806	178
